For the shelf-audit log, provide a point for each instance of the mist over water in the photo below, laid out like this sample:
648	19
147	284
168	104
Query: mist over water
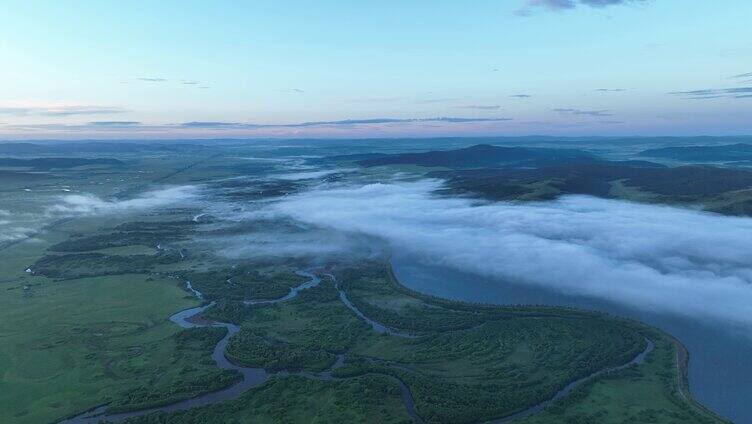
656	258
682	270
720	371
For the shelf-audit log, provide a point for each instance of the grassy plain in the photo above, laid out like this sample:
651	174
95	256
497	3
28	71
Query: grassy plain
650	393
66	346
69	346
69	343
484	362
365	399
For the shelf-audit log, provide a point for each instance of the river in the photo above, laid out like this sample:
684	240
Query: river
251	377
254	377
720	366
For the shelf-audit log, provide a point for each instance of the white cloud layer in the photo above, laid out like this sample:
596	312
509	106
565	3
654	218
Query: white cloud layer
305	175
15	226
88	204
657	258
8	232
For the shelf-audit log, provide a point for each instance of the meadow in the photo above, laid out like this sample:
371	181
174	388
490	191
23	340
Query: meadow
87	296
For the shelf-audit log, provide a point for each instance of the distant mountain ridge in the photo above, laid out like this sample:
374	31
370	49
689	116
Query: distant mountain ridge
480	156
728	152
78	147
51	163
523	174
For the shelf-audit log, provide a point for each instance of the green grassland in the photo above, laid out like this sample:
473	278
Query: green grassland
72	346
89	325
366	399
97	332
650	393
513	358
77	342
87	336
249	280
484	362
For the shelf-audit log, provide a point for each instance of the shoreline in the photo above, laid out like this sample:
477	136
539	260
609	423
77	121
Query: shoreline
191	318
682	381
681	357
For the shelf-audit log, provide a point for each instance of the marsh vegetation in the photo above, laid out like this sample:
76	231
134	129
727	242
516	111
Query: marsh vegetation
86	306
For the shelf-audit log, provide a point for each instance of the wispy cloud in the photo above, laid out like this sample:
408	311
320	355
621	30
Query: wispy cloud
89	204
114	123
345	122
480	107
209	124
610	90
438	100
605	3
552	4
714	93
580	112
137	127
745	75
521	96
190	82
66	110
558	5
379	99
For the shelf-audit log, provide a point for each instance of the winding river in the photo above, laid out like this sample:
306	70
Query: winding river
251	377
255	377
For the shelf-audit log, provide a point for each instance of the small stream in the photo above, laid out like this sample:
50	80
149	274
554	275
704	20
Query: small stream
377	326
252	377
637	360
255	377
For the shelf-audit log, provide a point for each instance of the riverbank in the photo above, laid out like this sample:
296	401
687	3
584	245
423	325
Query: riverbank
457	286
369	305
682	382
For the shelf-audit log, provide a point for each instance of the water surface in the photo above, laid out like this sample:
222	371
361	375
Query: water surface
720	366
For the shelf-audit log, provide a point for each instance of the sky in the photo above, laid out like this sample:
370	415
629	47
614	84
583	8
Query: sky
194	69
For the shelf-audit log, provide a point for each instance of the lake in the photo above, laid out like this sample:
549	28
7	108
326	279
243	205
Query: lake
720	366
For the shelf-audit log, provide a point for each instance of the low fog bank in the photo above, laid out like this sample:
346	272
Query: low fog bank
15	226
656	258
11	231
306	175
89	204
315	244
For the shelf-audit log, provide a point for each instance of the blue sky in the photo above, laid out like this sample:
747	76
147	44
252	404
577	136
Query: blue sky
171	69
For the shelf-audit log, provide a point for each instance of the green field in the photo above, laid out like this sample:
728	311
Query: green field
367	399
69	343
88	325
650	393
73	345
477	369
